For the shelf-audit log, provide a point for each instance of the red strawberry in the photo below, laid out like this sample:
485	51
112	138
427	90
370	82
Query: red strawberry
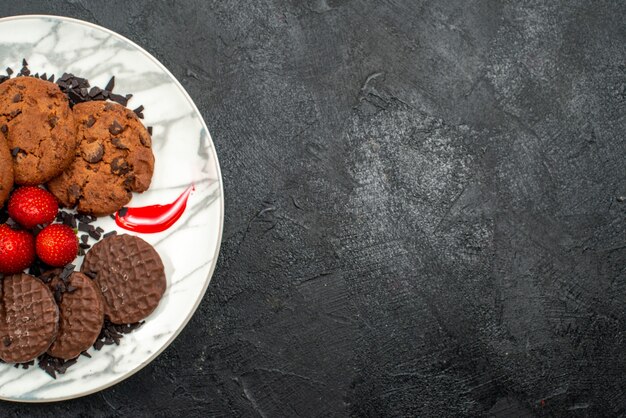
57	245
31	206
17	250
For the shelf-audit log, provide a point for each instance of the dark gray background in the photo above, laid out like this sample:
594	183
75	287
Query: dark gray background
422	213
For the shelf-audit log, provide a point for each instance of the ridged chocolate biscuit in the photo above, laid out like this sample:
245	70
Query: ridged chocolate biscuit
81	309
29	318
6	171
130	274
36	120
113	160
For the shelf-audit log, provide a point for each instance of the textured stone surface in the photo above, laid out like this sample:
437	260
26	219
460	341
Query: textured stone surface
422	208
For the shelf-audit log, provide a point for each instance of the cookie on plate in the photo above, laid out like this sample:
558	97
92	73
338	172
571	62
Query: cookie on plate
6	171
38	125
29	318
81	310
114	159
130	274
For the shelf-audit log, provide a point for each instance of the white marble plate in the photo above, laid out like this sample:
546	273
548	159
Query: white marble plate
184	155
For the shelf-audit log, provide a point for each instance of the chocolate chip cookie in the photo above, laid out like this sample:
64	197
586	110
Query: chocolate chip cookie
29	318
81	309
130	274
113	160
6	171
37	123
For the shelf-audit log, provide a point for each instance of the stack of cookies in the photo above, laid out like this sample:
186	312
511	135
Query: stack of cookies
91	155
61	313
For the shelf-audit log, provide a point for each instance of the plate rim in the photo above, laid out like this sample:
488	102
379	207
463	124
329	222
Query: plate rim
221	207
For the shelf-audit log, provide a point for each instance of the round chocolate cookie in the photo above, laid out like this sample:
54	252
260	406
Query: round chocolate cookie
37	122
113	160
81	309
29	318
6	171
130	274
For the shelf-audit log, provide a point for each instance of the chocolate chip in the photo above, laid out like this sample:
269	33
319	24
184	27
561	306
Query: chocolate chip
17	98
92	152
110	85
76	88
75	191
117	98
115	128
84	246
52	121
9	71
24	366
149	130
74	97
53	365
15	151
129	180
90	121
24	71
65	274
86	218
122	212
112	333
108	234
68	218
7	341
4	129
119	166
84	238
98	345
117	142
95	92
145	141
83	227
